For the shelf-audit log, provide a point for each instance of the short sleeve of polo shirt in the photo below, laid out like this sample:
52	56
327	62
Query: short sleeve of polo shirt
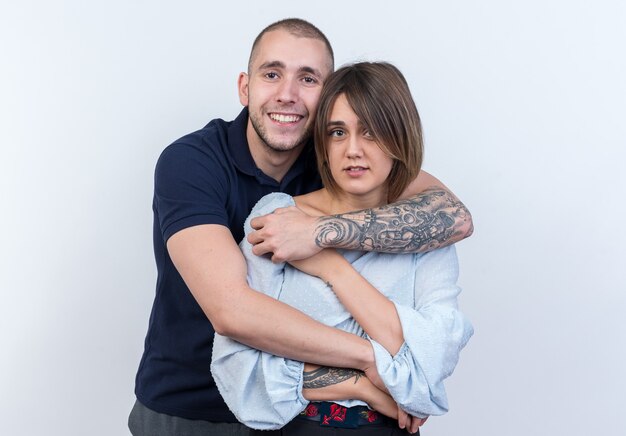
190	187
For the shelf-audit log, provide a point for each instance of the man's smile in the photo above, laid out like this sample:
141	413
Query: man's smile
285	118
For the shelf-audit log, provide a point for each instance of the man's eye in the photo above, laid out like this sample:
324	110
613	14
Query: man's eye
271	75
310	80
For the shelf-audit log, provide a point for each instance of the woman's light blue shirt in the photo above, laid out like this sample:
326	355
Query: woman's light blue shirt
265	391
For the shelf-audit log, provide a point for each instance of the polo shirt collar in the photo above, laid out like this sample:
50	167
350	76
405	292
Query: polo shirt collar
238	144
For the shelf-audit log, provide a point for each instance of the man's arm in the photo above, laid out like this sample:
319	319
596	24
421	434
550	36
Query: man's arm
428	216
214	269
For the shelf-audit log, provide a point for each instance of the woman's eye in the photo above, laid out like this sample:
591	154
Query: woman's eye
336	133
367	134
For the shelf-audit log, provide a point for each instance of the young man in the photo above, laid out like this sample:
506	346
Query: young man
206	183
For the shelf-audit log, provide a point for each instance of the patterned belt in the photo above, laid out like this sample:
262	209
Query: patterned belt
334	415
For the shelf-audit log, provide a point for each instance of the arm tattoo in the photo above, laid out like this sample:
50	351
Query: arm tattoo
429	220
322	377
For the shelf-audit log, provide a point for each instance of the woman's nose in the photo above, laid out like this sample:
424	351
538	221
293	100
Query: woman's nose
355	148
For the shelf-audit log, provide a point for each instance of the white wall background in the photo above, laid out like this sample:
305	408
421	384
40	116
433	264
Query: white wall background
523	106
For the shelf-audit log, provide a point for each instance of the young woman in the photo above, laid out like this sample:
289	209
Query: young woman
368	142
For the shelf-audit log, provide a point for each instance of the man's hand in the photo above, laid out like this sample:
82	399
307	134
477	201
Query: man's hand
288	233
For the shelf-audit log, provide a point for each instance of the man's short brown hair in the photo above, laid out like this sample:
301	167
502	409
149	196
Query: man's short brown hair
296	27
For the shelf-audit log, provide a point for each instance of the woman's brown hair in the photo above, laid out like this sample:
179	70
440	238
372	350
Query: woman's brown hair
379	95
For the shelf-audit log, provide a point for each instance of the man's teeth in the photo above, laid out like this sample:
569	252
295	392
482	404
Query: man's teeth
285	118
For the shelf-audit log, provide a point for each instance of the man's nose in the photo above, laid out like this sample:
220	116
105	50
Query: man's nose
287	91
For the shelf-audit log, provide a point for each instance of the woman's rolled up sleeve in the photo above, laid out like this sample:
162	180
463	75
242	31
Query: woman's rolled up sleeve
434	331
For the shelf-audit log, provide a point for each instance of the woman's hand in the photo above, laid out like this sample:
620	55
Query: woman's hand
385	404
408	422
378	400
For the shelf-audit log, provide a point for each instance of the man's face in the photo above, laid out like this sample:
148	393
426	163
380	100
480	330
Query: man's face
282	89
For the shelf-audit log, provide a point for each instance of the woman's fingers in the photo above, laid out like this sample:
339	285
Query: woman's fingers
410	423
403	418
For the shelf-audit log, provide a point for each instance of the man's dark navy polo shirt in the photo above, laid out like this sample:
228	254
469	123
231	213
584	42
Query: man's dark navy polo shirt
206	177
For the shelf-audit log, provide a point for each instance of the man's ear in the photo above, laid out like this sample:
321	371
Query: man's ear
242	86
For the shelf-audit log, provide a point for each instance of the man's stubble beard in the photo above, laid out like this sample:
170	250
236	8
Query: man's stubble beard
260	131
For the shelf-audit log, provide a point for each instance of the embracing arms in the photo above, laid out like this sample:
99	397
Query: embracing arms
427	217
214	269
374	312
335	384
418	336
281	388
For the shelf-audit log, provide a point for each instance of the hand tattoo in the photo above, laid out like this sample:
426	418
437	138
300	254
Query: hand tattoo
324	376
424	222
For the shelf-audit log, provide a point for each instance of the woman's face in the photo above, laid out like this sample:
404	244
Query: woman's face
357	163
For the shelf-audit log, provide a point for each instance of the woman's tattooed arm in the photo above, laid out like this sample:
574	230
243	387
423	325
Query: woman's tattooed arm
324	376
429	220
